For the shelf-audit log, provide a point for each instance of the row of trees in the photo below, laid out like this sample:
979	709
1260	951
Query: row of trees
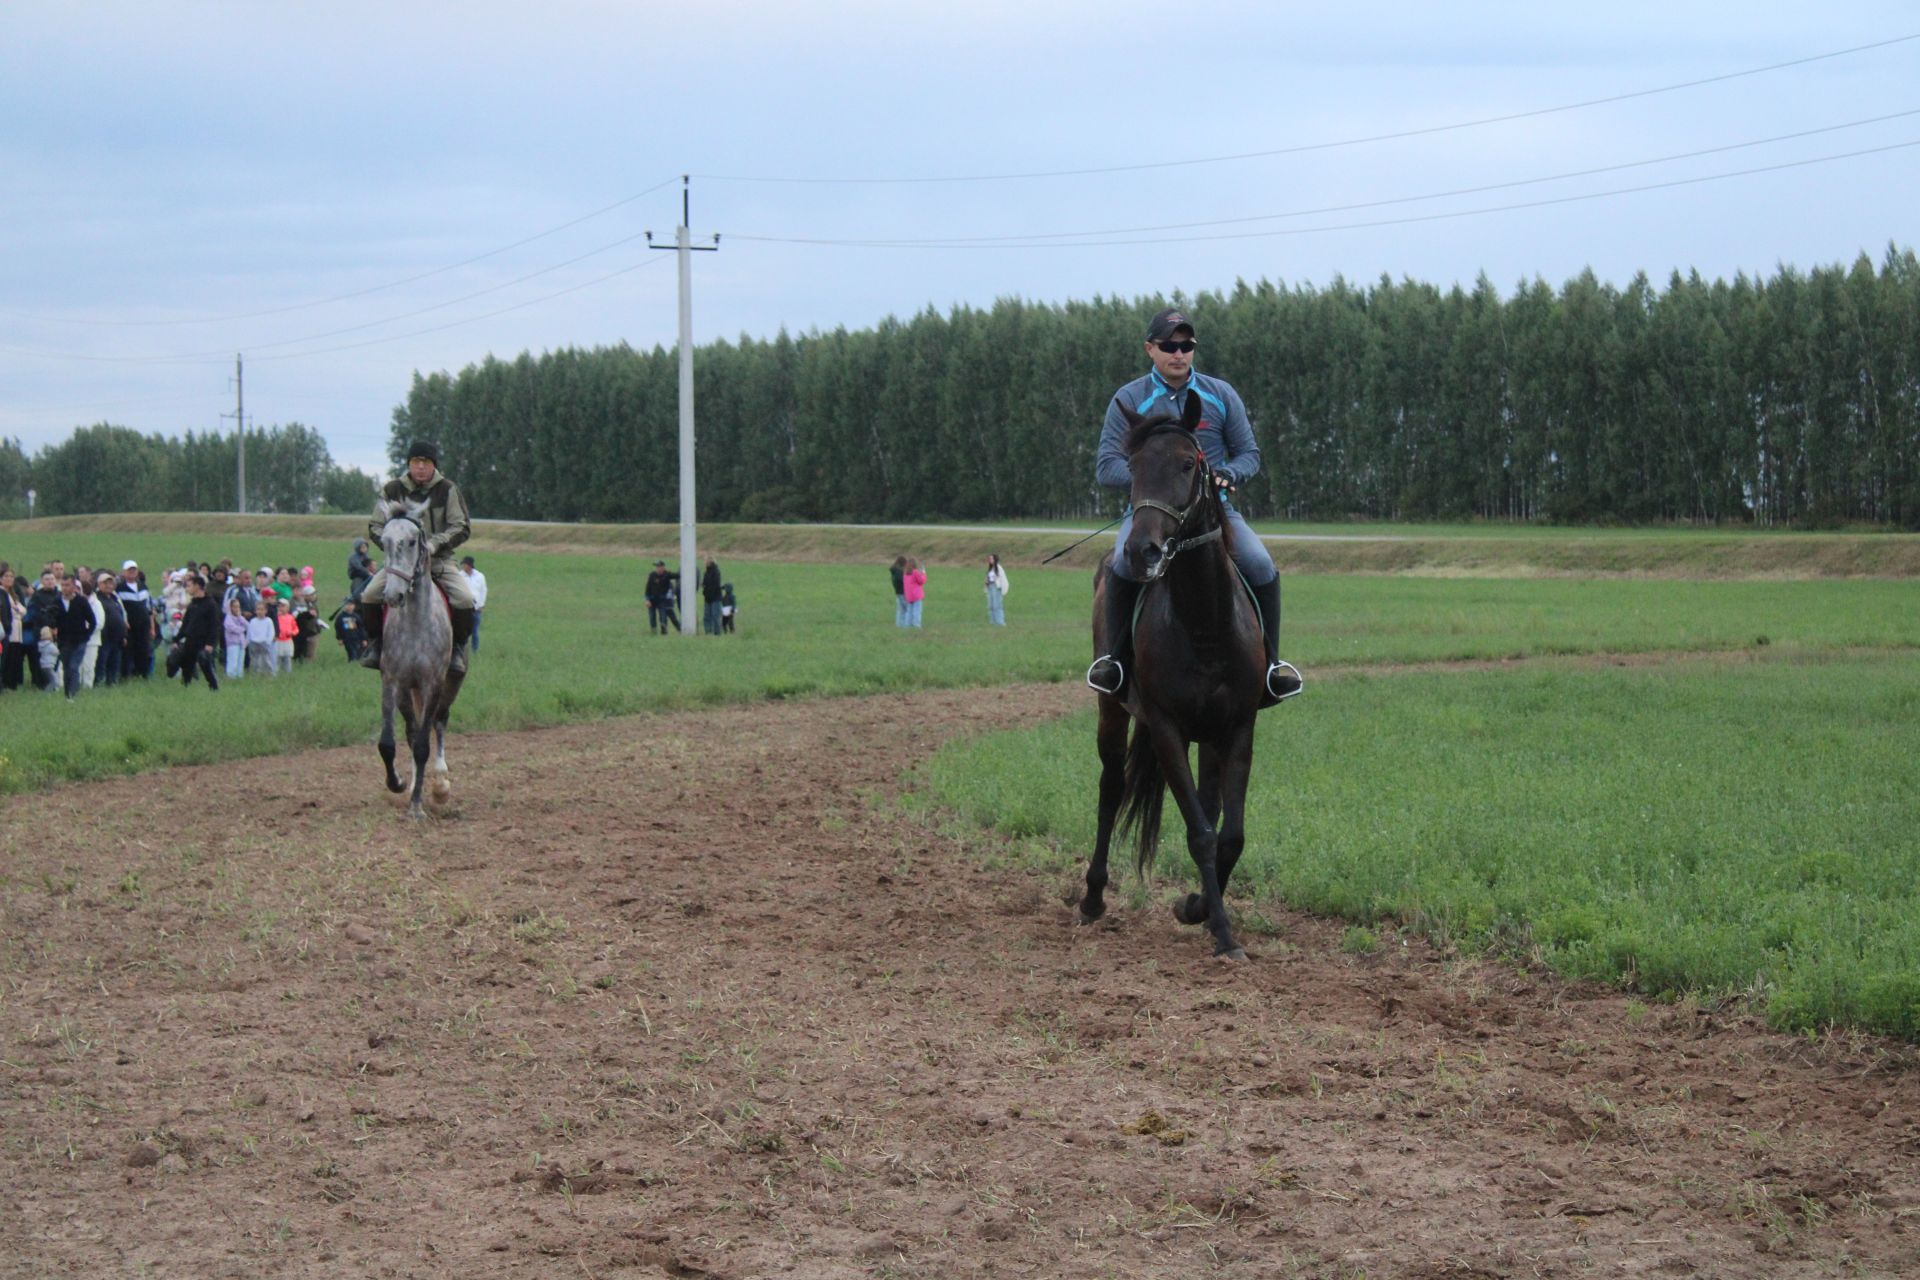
110	468
1793	400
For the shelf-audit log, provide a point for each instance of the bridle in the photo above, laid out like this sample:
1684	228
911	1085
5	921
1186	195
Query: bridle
420	559
1195	504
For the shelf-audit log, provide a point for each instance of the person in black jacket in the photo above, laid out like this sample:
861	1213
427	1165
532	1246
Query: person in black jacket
43	610
73	628
359	569
199	633
138	606
13	652
659	582
113	630
710	594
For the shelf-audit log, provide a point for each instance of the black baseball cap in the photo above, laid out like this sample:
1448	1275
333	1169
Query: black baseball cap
1166	322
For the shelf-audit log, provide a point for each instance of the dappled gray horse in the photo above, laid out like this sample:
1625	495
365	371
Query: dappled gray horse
418	642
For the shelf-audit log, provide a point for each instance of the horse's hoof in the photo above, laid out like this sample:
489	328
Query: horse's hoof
1231	954
1089	916
1191	910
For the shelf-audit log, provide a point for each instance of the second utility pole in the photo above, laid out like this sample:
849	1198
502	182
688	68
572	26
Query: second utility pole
689	563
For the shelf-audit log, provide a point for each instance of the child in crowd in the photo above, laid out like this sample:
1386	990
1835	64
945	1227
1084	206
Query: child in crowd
727	608
233	629
346	625
285	629
260	637
49	659
307	624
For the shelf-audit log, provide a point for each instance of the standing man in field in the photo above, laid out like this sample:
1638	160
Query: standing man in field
477	583
138	605
659	584
74	625
1226	438
446	527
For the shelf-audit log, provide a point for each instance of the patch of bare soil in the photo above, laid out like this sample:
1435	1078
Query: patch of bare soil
672	996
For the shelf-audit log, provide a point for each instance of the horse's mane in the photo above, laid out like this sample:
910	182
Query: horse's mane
401	509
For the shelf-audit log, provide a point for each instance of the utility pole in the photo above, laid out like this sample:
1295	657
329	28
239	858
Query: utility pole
240	432
684	246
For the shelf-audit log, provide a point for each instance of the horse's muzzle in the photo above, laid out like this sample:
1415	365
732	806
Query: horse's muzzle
1150	561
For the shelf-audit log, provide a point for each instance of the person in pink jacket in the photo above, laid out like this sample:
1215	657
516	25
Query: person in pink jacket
915	582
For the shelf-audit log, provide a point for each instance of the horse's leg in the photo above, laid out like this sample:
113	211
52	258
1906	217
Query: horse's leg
420	737
448	693
1194	909
1171	749
386	735
1236	769
1113	779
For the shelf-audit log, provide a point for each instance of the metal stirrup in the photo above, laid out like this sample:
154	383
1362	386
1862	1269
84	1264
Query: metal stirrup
1118	684
1282	669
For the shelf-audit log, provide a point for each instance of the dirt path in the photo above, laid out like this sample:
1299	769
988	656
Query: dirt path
669	996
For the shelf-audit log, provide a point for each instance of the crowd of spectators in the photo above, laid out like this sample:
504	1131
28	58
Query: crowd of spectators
72	629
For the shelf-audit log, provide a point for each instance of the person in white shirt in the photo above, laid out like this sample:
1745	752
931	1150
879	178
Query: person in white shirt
92	658
478	581
996	592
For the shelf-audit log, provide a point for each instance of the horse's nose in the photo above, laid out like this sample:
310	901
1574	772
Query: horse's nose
1150	555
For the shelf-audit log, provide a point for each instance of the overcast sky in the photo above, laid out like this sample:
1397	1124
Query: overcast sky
347	193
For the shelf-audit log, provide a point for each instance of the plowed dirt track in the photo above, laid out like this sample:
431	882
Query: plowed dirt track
673	996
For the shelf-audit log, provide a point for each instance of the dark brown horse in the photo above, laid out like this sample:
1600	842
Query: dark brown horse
1199	664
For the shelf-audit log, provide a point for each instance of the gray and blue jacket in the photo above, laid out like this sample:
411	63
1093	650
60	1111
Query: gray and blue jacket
1225	434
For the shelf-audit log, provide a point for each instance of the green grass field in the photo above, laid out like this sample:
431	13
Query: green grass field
1714	827
1739	822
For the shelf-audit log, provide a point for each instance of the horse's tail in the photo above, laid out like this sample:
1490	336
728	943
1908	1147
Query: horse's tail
1141	799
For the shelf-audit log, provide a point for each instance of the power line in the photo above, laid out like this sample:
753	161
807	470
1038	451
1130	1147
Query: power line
455	324
192	357
1343	226
360	293
1068	236
1303	148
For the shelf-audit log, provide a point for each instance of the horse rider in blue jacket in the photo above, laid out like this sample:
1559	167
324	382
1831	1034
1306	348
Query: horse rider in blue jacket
1226	438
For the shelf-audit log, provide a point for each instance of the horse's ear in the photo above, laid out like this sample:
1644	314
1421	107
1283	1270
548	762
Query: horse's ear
1133	419
1191	418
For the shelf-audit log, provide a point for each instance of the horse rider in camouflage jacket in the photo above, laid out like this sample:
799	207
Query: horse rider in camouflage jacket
446	527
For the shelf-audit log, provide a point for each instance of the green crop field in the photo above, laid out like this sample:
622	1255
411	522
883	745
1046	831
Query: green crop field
1731	812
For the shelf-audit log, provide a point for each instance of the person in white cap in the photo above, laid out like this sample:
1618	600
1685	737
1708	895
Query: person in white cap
137	658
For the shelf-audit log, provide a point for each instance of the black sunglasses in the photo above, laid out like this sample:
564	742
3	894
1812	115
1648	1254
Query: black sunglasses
1171	347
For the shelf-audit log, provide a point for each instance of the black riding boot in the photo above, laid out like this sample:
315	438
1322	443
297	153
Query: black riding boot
1282	680
462	628
371	620
1110	671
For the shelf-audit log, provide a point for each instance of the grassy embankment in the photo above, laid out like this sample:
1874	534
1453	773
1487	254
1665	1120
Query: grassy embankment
1739	823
